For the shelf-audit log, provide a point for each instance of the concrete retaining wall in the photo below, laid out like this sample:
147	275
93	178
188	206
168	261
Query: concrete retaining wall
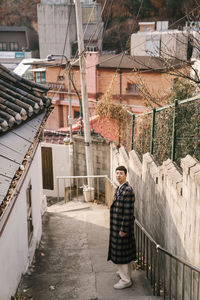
101	156
168	197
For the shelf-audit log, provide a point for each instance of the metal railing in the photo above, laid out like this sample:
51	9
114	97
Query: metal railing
76	188
170	276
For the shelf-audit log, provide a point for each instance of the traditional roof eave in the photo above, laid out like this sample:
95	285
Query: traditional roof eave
20	168
20	99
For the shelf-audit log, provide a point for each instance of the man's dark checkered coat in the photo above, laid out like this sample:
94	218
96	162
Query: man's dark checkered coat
122	250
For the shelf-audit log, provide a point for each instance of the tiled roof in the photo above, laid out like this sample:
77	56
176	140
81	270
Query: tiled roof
123	61
136	62
24	109
54	137
20	99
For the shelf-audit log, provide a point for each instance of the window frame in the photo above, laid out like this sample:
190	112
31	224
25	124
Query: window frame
132	88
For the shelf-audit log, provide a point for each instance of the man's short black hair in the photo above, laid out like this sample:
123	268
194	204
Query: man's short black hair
121	168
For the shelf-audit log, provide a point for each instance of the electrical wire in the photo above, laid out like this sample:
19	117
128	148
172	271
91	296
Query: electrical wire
97	25
64	47
124	52
88	22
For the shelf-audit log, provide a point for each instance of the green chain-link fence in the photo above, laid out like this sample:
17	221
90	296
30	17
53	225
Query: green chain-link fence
172	131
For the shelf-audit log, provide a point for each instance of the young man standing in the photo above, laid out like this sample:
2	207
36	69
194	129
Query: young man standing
122	247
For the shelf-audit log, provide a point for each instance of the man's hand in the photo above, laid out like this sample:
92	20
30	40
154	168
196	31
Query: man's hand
122	234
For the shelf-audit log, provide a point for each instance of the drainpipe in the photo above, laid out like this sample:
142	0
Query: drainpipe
120	86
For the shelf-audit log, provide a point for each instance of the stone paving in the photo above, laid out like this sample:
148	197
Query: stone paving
71	261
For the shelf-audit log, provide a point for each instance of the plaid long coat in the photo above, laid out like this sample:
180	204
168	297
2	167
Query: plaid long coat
122	250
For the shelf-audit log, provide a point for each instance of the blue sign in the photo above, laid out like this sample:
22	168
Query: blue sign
19	55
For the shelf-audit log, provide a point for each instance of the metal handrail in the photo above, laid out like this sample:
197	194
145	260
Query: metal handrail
171	276
158	247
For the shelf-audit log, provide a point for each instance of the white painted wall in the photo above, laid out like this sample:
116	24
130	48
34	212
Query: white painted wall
52	26
61	167
15	255
173	43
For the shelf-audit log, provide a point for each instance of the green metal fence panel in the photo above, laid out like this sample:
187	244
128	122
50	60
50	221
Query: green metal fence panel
142	135
172	131
126	132
188	130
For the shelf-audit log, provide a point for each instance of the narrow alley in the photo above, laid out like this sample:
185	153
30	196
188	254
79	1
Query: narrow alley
71	261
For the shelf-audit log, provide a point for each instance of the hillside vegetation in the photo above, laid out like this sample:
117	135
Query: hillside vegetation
121	17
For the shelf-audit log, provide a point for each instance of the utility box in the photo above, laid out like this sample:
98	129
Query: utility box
88	193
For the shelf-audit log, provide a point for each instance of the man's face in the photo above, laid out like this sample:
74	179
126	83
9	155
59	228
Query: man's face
120	176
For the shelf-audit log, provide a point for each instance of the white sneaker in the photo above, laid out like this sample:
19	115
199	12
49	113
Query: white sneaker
120	285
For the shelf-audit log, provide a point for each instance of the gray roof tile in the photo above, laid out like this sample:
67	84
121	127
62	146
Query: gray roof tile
20	99
23	108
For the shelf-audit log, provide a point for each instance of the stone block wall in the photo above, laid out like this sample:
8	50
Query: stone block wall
101	159
167	200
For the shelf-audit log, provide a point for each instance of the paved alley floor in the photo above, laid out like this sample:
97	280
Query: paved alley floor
71	262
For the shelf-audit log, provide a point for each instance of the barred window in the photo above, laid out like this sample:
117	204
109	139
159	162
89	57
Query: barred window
14	46
3	46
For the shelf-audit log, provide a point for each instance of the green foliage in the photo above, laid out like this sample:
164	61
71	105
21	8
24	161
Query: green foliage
188	130
182	89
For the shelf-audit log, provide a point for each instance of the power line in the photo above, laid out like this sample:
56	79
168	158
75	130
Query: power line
106	24
98	23
65	42
88	22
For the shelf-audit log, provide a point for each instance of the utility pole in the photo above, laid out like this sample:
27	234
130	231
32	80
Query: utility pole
70	118
70	122
87	135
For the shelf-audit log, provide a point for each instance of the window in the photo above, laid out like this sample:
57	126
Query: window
14	46
43	77
153	46
28	76
132	88
40	77
89	14
29	212
76	114
3	46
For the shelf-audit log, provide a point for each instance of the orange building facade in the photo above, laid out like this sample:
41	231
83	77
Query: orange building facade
122	74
